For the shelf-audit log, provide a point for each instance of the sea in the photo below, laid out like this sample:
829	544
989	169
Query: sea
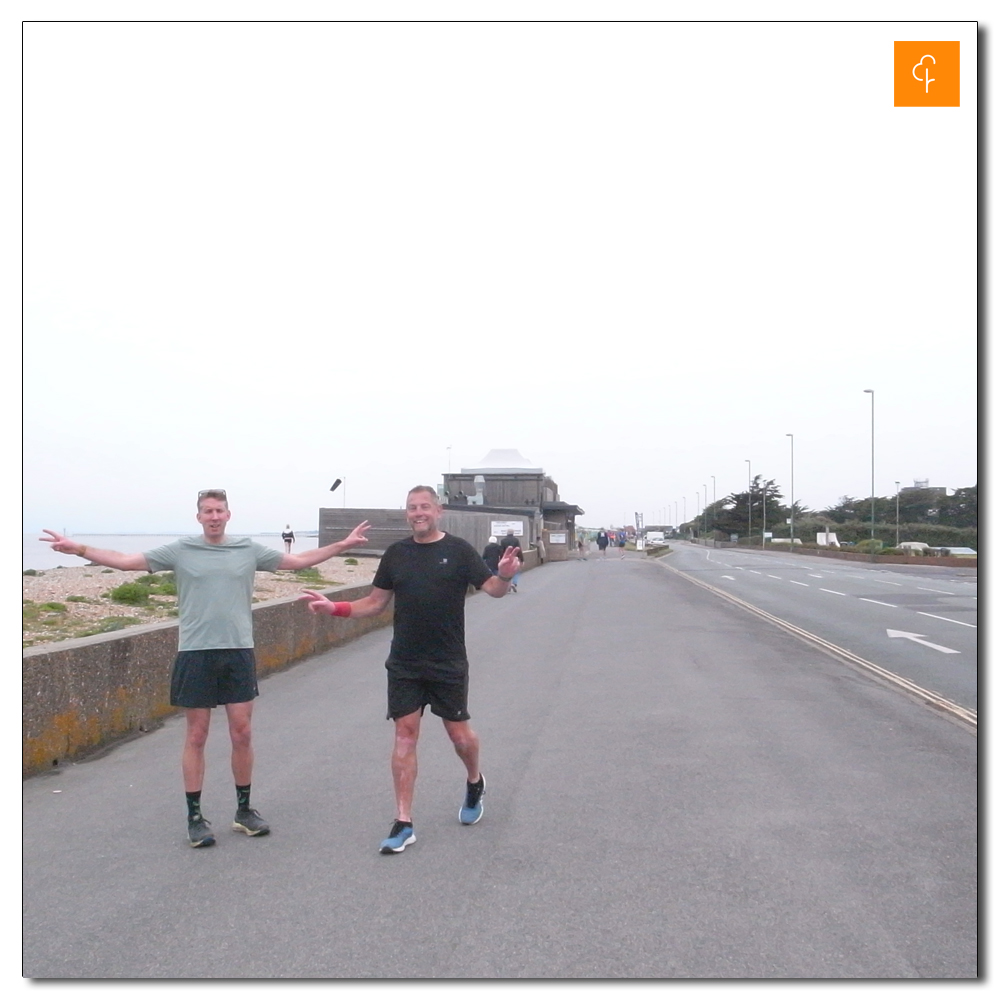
39	555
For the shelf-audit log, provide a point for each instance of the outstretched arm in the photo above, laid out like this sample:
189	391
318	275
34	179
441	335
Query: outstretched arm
375	603
303	560
497	586
103	557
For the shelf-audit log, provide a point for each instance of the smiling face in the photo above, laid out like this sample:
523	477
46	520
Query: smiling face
213	516
423	512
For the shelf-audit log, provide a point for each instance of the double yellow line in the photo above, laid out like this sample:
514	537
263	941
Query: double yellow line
966	715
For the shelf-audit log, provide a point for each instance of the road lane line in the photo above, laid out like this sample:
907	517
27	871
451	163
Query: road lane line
966	715
817	576
773	577
884	605
724	577
798	583
837	592
931	590
757	571
952	620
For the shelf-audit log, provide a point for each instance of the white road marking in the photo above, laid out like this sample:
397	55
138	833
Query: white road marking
724	577
952	620
798	583
816	575
837	592
891	583
931	590
884	605
757	571
893	634
773	577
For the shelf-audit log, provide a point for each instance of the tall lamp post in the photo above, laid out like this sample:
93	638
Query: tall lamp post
897	513
791	520
749	503
872	393
704	519
713	489
697	504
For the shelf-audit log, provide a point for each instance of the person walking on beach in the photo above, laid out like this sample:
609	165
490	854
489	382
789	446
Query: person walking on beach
215	660
288	537
429	574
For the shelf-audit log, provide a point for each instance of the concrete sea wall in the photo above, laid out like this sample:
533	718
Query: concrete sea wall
81	695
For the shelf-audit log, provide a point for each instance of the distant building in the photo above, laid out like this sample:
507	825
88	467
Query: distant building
505	482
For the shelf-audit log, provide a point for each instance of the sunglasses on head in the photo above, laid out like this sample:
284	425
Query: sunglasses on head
216	494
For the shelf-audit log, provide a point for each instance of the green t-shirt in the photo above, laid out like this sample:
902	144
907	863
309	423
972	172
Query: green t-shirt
214	588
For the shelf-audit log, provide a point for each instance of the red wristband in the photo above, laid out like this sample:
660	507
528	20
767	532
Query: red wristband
341	609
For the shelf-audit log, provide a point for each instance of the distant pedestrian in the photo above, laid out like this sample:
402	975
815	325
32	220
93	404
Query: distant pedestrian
288	536
622	539
429	574
541	551
509	541
492	554
603	541
215	662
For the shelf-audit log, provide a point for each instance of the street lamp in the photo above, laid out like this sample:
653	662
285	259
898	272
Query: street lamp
697	504
872	392
791	520
897	513
713	489
704	518
749	503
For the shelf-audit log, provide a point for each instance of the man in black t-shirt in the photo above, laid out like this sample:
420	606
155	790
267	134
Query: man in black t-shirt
429	574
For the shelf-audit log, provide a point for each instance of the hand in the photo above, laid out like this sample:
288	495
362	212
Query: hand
61	543
509	565
317	602
357	536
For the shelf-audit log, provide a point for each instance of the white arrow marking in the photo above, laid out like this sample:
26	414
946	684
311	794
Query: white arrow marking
893	634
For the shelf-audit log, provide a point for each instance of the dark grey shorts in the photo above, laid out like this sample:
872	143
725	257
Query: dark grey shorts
204	678
447	699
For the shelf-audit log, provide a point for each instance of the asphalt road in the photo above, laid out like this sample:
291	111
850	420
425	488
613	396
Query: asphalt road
676	789
920	622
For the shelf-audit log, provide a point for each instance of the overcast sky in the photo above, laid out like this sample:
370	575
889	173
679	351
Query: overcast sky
266	256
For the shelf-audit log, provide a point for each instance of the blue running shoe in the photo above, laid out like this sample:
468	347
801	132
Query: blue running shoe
472	808
400	836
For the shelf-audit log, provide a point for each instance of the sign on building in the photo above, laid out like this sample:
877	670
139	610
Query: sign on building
500	528
557	537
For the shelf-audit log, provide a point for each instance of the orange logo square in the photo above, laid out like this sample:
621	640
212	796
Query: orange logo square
925	75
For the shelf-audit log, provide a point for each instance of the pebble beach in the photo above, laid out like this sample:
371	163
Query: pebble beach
82	605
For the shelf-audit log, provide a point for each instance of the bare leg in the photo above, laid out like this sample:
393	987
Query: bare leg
466	744
404	763
193	756
239	715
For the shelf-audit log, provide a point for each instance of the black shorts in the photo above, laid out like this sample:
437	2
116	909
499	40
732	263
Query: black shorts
447	699
204	678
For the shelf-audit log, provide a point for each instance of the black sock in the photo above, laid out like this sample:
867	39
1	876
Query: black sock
242	797
194	804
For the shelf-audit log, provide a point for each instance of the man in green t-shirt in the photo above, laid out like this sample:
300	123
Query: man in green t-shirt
215	661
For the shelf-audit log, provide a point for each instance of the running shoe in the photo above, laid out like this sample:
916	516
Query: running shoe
200	832
472	808
248	821
400	837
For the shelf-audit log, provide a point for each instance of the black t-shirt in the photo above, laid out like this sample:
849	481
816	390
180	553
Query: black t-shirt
429	581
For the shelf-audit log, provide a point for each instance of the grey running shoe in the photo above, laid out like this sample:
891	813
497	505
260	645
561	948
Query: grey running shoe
248	821
472	808
200	832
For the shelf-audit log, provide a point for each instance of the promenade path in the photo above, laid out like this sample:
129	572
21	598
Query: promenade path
675	789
